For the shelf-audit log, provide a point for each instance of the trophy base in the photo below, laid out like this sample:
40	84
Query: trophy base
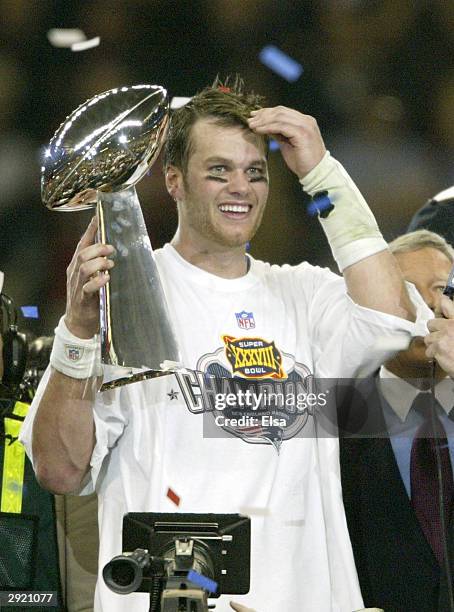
117	376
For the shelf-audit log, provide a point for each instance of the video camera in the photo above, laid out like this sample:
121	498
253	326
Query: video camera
13	344
182	559
23	358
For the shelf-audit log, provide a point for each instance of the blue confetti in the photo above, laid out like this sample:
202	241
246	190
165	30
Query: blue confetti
280	63
319	204
30	312
273	145
202	581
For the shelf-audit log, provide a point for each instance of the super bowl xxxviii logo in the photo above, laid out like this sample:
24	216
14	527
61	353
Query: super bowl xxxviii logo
250	389
253	358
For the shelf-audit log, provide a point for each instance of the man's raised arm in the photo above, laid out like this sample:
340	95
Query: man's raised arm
371	274
63	430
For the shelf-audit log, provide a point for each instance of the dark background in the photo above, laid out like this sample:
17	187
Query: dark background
378	76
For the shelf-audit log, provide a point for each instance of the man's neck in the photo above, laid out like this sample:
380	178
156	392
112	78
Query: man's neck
226	262
419	377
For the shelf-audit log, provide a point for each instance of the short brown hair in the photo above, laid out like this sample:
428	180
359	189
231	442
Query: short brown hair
225	102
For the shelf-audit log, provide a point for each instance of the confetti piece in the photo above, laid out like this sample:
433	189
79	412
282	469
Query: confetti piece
170	365
202	581
173	497
86	44
178	102
392	343
30	312
254	511
280	63
273	145
319	204
2	278
65	37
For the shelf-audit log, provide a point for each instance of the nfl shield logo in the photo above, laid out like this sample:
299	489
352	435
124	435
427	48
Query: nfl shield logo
74	353
245	320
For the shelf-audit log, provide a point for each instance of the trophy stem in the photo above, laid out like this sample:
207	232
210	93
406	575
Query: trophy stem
134	318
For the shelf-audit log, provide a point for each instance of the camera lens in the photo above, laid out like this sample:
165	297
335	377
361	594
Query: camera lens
122	573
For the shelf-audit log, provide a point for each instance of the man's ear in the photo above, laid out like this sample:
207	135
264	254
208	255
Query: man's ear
174	182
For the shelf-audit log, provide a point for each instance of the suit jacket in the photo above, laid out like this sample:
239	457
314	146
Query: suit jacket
396	567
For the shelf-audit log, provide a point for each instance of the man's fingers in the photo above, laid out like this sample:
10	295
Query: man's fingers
447	307
279	112
93	266
89	253
430	351
432	338
89	236
275	127
91	275
434	325
95	283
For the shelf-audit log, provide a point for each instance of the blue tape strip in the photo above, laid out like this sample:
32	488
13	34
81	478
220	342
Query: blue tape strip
280	63
30	312
202	581
318	205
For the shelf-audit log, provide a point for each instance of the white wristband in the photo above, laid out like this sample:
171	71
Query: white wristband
350	226
75	357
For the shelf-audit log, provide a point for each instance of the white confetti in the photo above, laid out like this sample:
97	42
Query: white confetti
254	511
86	44
392	343
178	102
2	278
170	365
65	37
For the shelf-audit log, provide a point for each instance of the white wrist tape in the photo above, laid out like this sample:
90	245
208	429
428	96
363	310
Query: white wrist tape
350	227
75	357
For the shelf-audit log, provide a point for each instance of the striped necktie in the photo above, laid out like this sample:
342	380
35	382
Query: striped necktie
424	474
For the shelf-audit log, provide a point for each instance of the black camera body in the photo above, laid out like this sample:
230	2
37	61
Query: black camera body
15	348
181	559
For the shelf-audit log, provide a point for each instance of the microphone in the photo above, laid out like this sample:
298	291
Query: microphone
449	289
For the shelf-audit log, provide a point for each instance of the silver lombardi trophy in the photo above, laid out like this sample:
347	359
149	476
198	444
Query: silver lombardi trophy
94	159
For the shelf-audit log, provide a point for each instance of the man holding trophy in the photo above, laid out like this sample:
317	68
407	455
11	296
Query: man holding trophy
245	330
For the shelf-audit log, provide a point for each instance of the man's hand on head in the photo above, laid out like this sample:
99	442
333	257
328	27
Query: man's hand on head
440	340
301	143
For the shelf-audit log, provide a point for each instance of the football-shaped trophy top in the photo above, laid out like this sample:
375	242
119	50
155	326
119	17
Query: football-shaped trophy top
108	143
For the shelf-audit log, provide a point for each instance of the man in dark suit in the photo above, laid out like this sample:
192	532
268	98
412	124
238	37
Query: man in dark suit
392	510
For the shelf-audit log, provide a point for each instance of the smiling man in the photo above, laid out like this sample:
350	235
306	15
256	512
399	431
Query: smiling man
246	329
221	195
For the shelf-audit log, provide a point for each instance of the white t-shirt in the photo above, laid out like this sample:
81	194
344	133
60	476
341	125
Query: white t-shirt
279	323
